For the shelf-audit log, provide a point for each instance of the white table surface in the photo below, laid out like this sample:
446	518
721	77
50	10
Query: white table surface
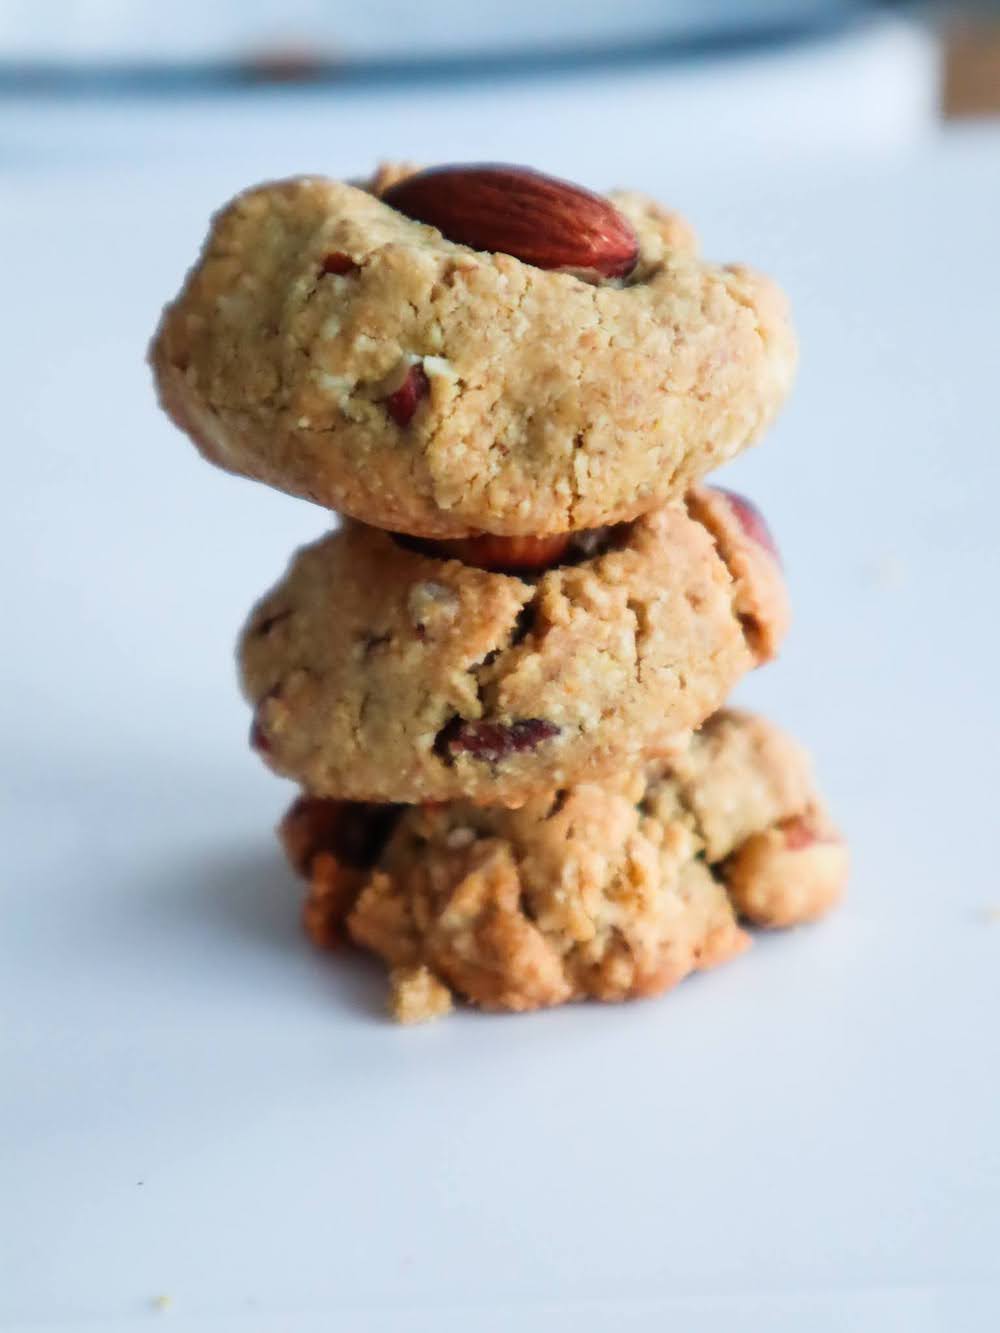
194	1106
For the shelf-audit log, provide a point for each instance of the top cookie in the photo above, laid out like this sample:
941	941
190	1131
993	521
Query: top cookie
330	345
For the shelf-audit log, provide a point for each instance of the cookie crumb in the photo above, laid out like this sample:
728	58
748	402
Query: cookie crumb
161	1303
416	995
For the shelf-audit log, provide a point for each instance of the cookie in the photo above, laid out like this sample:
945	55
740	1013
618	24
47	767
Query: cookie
381	672
610	890
333	347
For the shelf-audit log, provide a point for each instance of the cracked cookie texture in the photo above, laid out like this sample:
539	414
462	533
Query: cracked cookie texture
610	890
379	672
533	402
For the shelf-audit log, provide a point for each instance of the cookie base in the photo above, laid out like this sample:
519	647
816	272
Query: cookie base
610	890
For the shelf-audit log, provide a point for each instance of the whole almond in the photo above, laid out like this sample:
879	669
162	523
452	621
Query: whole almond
506	554
516	211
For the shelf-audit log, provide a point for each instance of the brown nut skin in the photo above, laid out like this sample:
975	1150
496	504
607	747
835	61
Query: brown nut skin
744	541
338	262
538	219
402	404
505	554
751	520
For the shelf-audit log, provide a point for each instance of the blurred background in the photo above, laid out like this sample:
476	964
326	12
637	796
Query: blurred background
850	149
116	45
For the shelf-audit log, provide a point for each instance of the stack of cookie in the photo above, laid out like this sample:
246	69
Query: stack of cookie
498	681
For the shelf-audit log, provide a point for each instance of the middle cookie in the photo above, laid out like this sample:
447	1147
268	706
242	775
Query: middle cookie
381	671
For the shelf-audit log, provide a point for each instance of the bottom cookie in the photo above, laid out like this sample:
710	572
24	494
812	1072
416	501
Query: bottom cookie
607	890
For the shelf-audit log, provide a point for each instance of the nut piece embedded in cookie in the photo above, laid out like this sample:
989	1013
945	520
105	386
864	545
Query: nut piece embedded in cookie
542	404
337	262
506	555
493	741
404	401
744	541
389	674
610	890
751	520
790	873
539	219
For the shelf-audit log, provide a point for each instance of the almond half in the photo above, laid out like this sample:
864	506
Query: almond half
516	211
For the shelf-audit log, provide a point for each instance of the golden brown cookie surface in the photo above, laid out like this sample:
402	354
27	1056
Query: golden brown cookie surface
379	673
611	890
331	346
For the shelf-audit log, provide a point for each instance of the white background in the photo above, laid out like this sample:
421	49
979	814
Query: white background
195	1106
